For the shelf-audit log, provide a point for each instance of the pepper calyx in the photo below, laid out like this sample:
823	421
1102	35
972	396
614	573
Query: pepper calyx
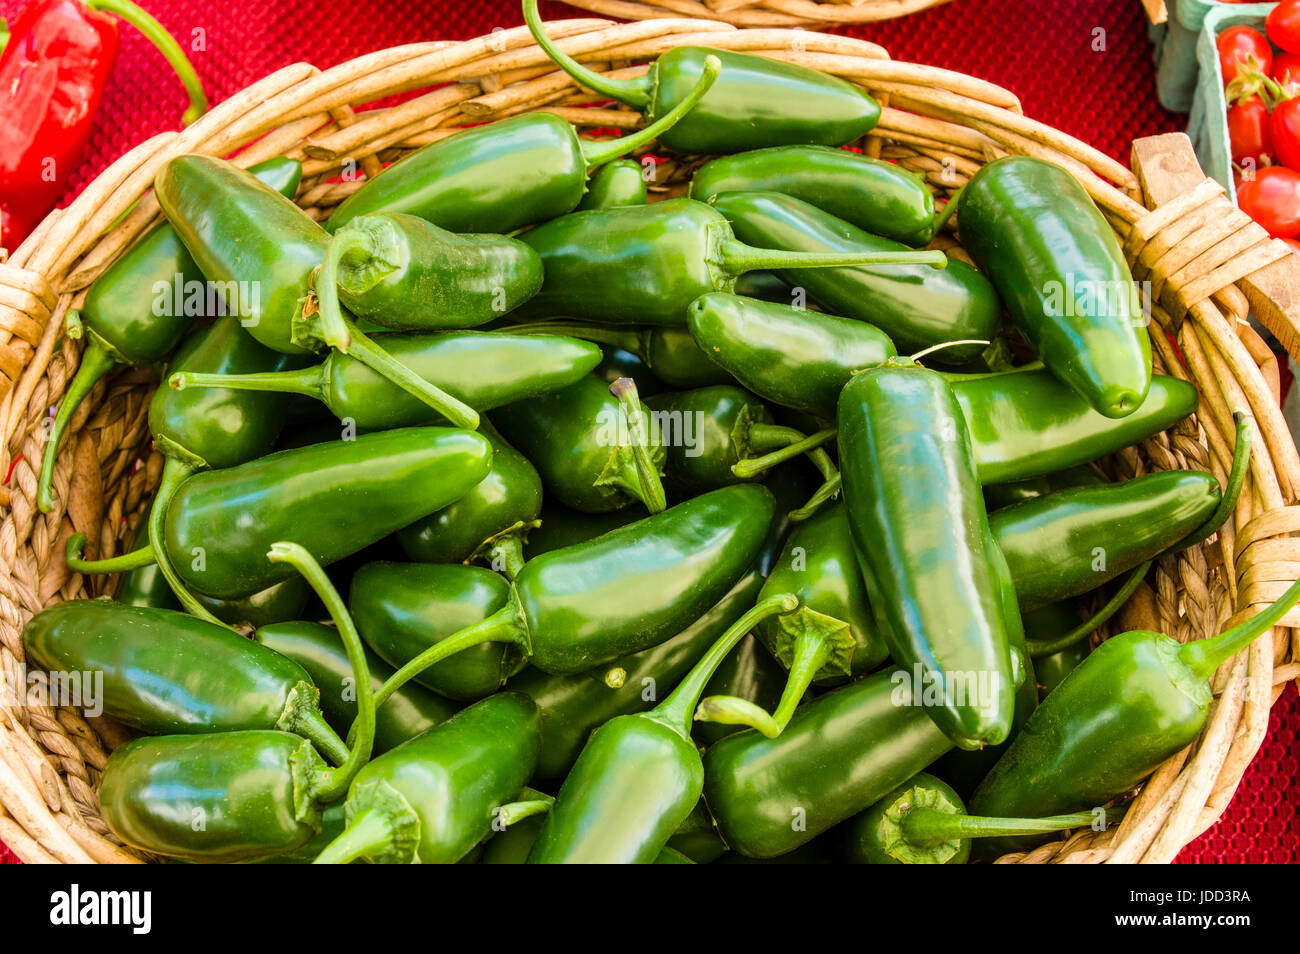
890	828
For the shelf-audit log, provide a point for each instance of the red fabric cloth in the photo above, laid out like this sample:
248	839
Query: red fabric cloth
1083	66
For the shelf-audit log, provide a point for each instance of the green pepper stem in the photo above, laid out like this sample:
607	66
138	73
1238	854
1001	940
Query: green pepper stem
311	725
503	626
1046	647
118	564
925	352
677	711
336	781
157	34
737	258
929	827
647	473
508	551
95	363
175	472
369	832
1231	493
943	215
309	381
811	652
825	492
767	435
598	153
1206	655
513	812
635	93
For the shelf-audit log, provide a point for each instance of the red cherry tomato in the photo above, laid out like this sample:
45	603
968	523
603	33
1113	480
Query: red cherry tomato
1272	199
1283	25
1286	70
1284	132
1249	131
1241	45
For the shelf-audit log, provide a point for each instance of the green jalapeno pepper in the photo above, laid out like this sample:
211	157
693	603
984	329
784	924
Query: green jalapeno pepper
916	307
792	357
997	496
617	183
434	798
590	446
1137	700
651	261
756	102
618	363
333	498
924	822
130	315
484	371
840	753
506	175
878	197
1057	265
410	711
918	520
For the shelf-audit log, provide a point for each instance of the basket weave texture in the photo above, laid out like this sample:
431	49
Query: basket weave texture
1195	249
761	13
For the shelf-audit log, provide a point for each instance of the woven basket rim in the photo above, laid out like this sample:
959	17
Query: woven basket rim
942	124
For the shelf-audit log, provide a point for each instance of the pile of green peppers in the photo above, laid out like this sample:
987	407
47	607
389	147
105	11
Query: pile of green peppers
509	517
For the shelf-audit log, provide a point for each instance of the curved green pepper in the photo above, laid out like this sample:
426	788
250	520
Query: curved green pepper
614	184
878	197
923	540
130	314
756	102
916	307
651	261
1058	266
708	431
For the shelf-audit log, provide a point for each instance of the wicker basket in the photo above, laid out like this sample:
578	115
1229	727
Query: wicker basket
761	13
1207	264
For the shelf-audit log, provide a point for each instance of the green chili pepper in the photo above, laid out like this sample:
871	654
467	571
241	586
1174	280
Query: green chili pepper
792	357
651	261
878	197
840	753
923	822
333	498
130	315
484	371
318	649
916	307
1057	265
997	496
436	797
923	540
618	183
591	446
756	102
618	363
507	175
765	286
1137	700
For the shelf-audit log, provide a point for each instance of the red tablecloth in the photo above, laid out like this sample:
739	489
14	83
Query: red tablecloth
1083	66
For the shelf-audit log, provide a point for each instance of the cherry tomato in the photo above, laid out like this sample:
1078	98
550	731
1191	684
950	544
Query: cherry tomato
1241	45
1284	131
1283	25
1249	131
1272	199
1286	70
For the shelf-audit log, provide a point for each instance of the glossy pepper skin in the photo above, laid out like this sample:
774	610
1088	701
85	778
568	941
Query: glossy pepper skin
403	608
878	197
916	306
1069	542
997	496
918	520
704	433
249	788
614	184
793	357
755	102
434	798
1027	424
333	498
840	753
670	354
483	370
409	712
1057	265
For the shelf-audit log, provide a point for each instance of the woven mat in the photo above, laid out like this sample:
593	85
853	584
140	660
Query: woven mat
1083	66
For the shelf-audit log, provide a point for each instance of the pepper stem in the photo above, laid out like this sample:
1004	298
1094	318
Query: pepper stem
507	551
1206	655
1046	647
513	812
118	564
647	473
95	363
157	34
943	215
634	93
309	381
336	781
369	832
599	153
795	443
311	725
175	472
737	258
676	712
1231	493
930	827
942	345
825	492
